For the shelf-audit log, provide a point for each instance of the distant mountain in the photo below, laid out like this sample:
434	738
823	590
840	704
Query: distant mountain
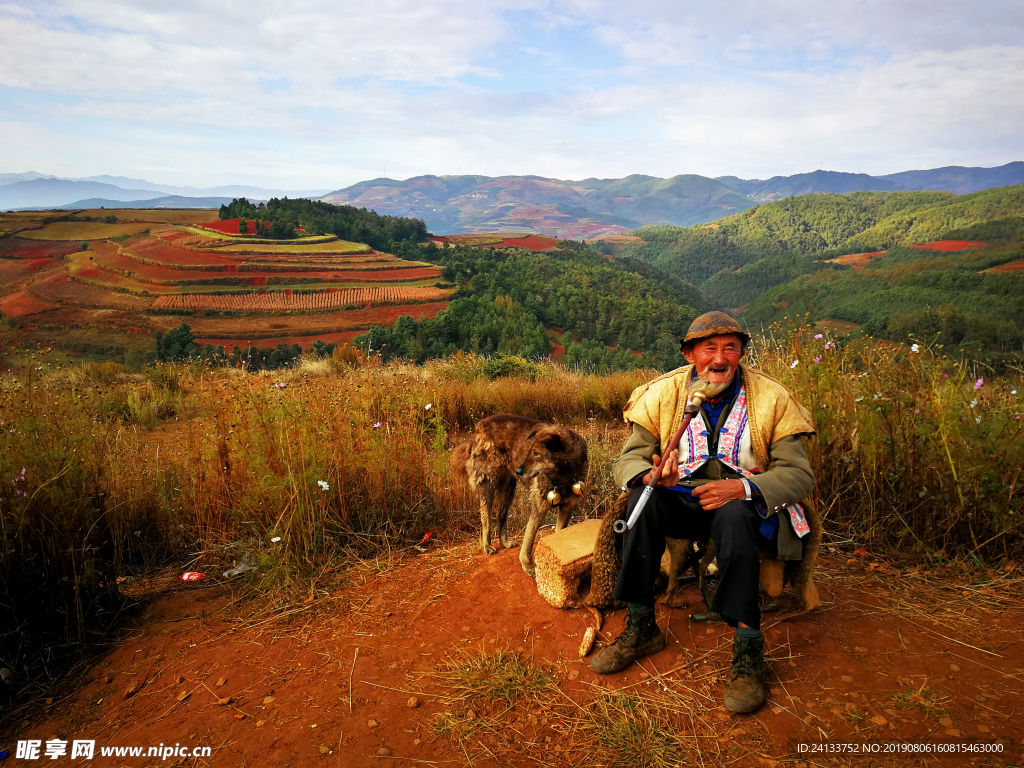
836	182
568	209
46	193
168	201
34	190
961	180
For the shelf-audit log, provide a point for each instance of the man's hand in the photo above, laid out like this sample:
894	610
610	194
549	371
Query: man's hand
669	473
715	494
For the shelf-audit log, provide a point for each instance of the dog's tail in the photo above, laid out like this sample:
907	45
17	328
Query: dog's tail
460	458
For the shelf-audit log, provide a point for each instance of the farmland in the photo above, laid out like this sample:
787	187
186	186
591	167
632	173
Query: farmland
146	272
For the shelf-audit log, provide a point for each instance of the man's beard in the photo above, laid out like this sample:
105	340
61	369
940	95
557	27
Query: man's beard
710	390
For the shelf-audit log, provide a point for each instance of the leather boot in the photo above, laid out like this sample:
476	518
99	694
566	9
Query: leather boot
641	637
744	688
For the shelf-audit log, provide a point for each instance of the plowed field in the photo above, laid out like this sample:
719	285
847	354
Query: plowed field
334	246
177	216
23	303
59	288
857	260
160	252
20	248
949	245
1013	266
14	270
84	230
280	301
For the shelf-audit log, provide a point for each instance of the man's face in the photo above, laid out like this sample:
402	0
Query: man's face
716	358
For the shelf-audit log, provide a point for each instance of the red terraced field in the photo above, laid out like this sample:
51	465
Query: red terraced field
282	301
306	342
532	242
23	303
20	248
230	226
949	245
157	250
1013	266
13	270
857	260
61	289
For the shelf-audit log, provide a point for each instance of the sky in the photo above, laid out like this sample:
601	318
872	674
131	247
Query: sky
309	94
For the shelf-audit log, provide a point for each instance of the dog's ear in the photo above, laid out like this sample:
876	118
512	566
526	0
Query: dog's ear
553	442
533	432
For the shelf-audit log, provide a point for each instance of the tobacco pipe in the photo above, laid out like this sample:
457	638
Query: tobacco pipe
691	409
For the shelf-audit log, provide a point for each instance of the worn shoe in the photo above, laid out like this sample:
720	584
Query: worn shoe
641	637
744	688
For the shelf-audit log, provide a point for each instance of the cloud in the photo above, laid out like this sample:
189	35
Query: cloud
326	94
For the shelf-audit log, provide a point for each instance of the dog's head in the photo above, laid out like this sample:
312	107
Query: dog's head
556	457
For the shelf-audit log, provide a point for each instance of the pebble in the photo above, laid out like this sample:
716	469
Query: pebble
224	702
847	679
954	733
860	649
412	703
385	752
183	695
324	750
879	720
371	723
954	668
267	701
220	682
983	728
132	690
108	679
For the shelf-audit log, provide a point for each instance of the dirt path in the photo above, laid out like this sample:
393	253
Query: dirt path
893	655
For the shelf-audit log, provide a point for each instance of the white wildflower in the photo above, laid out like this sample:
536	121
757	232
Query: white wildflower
1013	391
977	419
323	485
857	400
275	540
427	407
915	348
974	403
794	364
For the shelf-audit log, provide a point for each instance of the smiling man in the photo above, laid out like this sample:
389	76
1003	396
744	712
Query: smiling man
737	479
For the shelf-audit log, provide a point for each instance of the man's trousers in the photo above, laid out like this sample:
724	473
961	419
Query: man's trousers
734	529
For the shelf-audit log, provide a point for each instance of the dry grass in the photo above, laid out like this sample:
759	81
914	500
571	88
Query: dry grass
83	230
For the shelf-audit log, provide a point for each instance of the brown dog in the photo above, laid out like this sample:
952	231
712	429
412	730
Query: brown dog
551	461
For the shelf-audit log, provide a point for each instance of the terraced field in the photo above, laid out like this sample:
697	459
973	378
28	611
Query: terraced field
161	271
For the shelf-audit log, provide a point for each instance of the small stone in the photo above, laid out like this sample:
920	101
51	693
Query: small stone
471	715
851	560
384	752
224	702
954	668
574	674
183	695
954	733
879	720
268	700
416	741
240	716
180	680
260	723
946	722
371	723
132	690
313	725
983	728
847	679
220	682
49	701
412	703
108	679
860	649
324	750
776	710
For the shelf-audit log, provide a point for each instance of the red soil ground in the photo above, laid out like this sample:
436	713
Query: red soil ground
533	242
61	289
153	249
230	226
857	260
23	303
306	342
894	655
1013	266
20	248
14	270
949	245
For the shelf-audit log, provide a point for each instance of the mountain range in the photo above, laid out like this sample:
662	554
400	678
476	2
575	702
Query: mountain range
586	208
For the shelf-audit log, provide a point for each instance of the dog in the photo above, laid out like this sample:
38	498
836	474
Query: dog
550	460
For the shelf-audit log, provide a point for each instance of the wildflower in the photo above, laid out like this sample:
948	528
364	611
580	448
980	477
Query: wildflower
275	540
819	335
817	359
945	375
857	400
377	425
1013	391
979	383
974	402
877	395
323	485
977	419
794	364
829	345
427	407
915	348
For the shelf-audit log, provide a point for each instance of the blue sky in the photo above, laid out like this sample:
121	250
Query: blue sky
323	94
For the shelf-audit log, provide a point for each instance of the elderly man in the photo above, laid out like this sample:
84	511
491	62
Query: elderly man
736	478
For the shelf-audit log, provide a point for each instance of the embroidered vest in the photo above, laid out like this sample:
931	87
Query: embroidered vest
734	451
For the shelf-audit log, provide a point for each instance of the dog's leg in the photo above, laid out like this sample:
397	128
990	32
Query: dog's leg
678	551
487	494
537	511
503	498
562	514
